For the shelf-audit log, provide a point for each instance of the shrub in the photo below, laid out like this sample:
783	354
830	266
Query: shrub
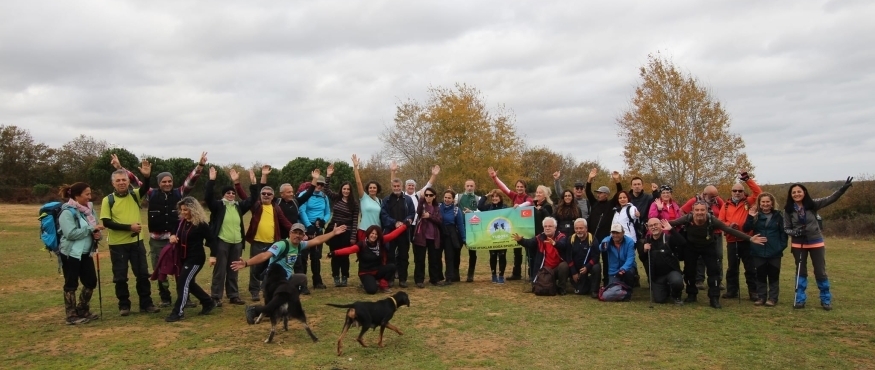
40	190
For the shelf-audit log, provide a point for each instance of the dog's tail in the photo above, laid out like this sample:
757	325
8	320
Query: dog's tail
341	305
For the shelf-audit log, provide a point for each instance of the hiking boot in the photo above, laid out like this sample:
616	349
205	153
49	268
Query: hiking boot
494	279
218	302
337	282
344	281
500	279
75	320
721	287
470	278
730	295
190	304
320	286
83	309
150	309
515	277
420	285
304	290
715	302
826	306
164	304
561	291
70	308
174	317
678	301
235	301
208	307
594	295
402	284
770	303
250	315
799	305
759	302
753	296
124	311
700	285
691	298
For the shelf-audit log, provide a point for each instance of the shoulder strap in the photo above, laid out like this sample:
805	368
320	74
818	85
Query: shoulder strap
285	251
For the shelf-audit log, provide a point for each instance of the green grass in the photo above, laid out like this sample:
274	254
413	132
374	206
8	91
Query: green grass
467	325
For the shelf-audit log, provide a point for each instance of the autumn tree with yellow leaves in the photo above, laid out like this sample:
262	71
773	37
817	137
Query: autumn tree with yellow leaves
454	129
677	133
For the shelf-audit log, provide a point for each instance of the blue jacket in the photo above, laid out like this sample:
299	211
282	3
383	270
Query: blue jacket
773	231
622	259
453	216
316	207
386	214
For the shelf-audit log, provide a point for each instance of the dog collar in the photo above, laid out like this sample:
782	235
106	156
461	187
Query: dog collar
393	301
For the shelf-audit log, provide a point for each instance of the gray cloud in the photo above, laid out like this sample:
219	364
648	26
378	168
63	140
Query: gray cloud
270	81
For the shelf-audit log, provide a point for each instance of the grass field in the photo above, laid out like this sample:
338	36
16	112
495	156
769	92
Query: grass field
466	325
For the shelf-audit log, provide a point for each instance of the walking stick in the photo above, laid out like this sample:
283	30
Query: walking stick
99	290
798	272
650	272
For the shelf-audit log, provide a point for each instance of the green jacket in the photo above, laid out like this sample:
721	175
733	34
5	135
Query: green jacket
773	231
76	234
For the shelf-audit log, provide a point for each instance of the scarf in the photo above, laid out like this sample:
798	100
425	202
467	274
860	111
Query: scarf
85	210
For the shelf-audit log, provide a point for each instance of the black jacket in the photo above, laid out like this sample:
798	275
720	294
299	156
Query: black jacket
665	252
217	211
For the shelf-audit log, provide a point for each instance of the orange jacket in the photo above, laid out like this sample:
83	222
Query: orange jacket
737	214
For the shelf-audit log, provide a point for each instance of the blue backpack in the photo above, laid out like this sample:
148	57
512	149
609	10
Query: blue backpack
50	229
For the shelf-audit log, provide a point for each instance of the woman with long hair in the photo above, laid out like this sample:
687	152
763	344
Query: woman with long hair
801	225
765	220
427	241
374	267
490	202
80	233
543	209
452	235
517	198
369	202
566	212
189	240
626	215
344	211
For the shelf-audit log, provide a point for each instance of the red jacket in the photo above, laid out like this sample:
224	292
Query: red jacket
168	263
737	214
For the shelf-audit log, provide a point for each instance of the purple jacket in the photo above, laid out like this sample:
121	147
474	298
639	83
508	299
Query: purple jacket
168	263
428	228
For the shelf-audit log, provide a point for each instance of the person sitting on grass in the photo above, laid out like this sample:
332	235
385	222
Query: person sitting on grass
620	250
663	247
375	269
549	251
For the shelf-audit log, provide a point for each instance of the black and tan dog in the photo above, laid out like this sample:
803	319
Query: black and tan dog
370	315
283	301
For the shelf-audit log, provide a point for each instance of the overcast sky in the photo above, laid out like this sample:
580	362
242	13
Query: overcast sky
271	81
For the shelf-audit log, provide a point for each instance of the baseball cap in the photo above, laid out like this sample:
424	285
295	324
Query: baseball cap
321	180
603	189
579	184
616	228
300	226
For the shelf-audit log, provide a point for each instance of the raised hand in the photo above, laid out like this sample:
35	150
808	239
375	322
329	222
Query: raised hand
145	168
393	166
556	175
115	162
752	211
848	182
330	170
203	160
592	173
355	161
251	176
212	173
436	170
265	170
315	174
616	176
235	177
653	187
666	226
492	172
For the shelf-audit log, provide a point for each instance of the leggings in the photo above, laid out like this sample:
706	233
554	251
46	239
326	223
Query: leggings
498	257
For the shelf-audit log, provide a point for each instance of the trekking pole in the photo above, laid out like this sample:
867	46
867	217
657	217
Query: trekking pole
99	290
738	258
798	273
650	273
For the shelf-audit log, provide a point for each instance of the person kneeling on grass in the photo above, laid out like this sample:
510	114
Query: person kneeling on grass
374	269
584	266
549	250
285	252
621	256
662	249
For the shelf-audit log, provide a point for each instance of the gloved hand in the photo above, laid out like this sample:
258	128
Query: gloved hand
743	176
847	183
799	232
330	254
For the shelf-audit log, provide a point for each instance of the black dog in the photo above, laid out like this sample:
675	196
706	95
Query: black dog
370	315
283	300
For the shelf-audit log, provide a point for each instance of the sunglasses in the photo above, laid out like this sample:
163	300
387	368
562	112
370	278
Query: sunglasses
266	194
738	191
579	187
429	195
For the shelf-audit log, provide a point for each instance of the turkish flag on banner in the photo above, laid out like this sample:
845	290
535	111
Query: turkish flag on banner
526	213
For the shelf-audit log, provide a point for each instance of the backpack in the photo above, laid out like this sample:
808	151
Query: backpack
615	292
50	228
111	200
544	283
635	224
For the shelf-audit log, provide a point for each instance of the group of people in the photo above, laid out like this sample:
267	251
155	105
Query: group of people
588	239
